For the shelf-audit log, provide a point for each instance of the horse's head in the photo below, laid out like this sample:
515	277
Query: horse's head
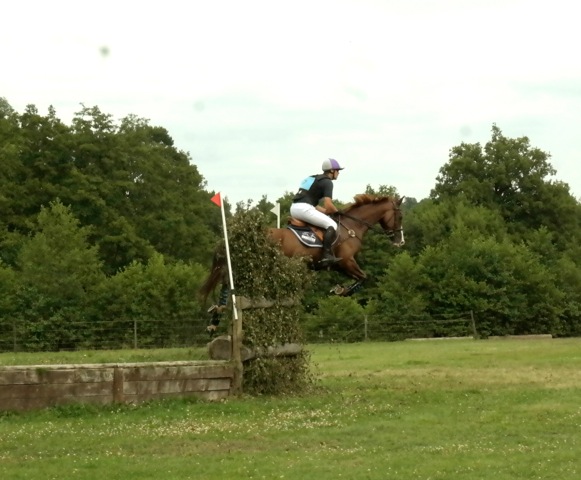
391	222
367	210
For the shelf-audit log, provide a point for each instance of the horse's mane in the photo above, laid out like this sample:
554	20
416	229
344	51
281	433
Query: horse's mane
365	199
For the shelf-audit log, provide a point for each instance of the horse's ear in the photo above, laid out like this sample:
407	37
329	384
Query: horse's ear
400	201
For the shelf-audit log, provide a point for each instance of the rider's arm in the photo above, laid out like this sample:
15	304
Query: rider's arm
328	206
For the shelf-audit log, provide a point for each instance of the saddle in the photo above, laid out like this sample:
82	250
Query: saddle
307	234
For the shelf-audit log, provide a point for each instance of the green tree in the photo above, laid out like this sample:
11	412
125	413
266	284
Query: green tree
506	285
57	271
155	304
401	299
432	222
336	319
128	182
8	307
169	206
285	203
35	160
513	178
567	275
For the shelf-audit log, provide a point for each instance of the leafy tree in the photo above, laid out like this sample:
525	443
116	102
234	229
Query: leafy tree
402	298
567	275
432	222
382	190
57	270
285	203
336	319
157	300
505	284
34	160
8	307
128	182
513	178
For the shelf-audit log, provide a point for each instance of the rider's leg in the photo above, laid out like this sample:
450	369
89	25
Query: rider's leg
328	239
310	214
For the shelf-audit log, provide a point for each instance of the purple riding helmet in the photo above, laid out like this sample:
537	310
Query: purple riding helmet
331	164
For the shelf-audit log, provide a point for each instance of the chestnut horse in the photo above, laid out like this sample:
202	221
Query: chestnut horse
353	223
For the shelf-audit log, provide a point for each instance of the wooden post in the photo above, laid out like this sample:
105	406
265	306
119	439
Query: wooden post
474	332
135	334
236	352
118	380
365	331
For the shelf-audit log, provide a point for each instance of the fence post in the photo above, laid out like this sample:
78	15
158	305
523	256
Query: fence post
236	355
135	334
474	332
365	329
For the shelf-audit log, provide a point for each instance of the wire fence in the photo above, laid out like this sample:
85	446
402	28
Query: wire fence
377	328
19	336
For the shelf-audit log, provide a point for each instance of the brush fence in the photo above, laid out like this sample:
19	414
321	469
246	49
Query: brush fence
230	347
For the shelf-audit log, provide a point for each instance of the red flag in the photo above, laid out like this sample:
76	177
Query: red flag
216	199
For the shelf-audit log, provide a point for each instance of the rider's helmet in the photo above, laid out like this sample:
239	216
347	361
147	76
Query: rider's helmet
331	164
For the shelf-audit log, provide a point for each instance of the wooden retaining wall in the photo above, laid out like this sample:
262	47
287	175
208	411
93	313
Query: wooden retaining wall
40	386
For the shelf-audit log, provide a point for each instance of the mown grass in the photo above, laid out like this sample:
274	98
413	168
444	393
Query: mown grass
410	410
104	356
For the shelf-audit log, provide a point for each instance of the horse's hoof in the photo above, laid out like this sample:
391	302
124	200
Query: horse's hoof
211	329
338	290
217	309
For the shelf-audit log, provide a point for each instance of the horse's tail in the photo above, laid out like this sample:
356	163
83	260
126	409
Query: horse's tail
218	272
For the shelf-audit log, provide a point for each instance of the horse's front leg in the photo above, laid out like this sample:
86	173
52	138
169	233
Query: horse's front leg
349	290
354	271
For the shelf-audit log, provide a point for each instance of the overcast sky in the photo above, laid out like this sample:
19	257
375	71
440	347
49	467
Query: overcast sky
260	92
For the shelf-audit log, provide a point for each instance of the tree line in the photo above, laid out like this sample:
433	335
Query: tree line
105	222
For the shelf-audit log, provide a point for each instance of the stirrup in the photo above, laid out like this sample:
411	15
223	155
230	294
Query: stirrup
217	309
331	260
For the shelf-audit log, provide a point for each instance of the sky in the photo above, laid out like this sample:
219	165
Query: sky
260	92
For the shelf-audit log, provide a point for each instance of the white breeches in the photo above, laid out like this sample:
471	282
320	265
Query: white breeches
307	213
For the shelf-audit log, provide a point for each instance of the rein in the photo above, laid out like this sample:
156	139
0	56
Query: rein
373	228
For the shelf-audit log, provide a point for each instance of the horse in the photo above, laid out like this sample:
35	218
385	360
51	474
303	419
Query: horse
353	223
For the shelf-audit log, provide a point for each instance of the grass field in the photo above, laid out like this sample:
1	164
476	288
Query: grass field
504	409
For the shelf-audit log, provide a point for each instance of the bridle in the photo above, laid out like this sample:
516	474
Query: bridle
389	233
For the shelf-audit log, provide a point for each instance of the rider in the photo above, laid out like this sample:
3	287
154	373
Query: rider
306	207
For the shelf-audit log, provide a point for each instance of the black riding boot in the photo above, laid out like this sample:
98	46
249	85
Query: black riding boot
328	257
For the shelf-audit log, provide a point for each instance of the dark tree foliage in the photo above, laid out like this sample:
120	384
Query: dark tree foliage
498	237
57	272
58	298
105	220
128	182
513	178
432	222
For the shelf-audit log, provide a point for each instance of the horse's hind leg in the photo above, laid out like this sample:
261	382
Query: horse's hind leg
217	310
